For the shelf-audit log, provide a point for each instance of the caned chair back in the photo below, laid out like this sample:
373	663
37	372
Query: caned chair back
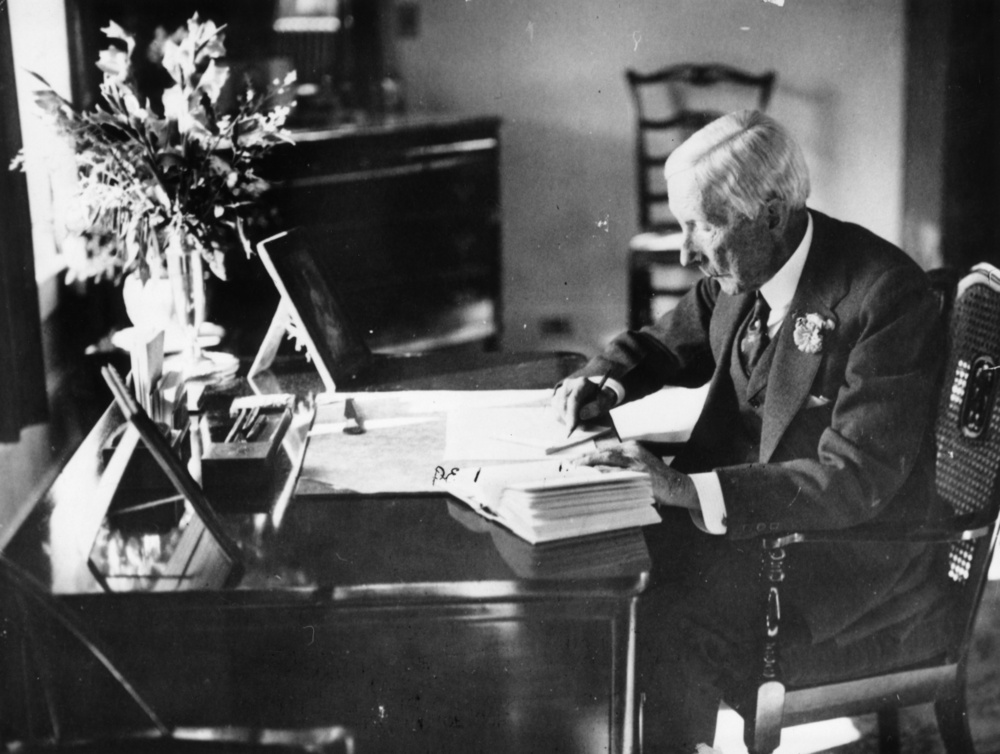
968	428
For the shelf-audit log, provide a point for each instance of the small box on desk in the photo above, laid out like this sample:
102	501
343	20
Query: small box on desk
238	470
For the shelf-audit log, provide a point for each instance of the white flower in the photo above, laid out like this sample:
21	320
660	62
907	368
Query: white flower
809	330
114	63
176	108
177	64
213	79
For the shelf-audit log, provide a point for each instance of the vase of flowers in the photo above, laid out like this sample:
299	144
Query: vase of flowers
165	189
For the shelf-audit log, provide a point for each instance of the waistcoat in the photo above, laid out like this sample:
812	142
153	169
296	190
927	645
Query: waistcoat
750	392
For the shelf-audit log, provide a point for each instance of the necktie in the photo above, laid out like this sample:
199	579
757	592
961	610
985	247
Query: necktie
756	337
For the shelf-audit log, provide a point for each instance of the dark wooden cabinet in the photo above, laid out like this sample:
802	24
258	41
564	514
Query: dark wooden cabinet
405	220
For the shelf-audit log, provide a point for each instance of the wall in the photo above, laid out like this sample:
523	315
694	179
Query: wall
554	71
929	30
40	45
27	467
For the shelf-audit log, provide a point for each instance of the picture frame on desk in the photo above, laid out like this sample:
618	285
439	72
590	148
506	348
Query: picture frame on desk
310	311
193	551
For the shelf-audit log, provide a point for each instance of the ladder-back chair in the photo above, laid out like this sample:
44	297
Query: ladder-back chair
670	104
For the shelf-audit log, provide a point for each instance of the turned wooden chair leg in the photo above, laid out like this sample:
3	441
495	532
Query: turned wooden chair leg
888	731
953	723
762	722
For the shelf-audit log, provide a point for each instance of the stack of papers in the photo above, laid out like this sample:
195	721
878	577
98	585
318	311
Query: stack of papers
608	555
549	500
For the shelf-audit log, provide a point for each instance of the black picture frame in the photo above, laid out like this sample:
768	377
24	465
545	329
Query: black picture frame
311	310
202	556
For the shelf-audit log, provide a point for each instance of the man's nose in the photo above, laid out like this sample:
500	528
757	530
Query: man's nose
689	254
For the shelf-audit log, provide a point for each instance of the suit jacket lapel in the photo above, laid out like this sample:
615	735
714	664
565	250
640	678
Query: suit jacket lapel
731	311
823	284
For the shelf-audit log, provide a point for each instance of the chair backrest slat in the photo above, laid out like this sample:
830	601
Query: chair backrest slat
672	103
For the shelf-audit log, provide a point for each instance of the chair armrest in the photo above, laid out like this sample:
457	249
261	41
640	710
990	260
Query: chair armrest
962	528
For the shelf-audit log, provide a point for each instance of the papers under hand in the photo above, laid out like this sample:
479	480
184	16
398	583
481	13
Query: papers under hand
579	436
549	500
514	433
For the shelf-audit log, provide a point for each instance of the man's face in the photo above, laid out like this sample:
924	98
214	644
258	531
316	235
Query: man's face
738	252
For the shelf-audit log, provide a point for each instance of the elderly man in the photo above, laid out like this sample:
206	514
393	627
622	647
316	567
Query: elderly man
822	347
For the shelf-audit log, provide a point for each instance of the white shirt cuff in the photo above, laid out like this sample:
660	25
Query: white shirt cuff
712	516
614	385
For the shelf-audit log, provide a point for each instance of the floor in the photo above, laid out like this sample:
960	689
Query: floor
917	724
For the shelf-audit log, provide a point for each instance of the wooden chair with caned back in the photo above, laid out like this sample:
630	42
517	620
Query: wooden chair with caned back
924	661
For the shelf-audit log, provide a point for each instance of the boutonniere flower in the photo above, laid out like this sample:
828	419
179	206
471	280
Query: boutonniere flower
809	331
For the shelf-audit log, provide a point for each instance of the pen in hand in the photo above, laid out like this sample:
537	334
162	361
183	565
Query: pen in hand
586	415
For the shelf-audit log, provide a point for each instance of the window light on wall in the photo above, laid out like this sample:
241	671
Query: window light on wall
307	16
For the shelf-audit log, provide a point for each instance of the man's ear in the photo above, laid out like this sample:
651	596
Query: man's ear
776	214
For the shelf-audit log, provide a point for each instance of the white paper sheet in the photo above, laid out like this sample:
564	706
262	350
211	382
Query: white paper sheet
405	439
513	433
667	415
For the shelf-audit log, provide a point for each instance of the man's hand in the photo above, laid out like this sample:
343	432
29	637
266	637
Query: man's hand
578	399
670	487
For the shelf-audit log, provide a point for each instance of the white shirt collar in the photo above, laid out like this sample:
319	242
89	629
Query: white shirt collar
779	290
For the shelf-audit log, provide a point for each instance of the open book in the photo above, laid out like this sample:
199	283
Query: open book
541	501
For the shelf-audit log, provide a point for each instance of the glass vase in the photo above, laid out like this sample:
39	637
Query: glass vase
150	304
186	272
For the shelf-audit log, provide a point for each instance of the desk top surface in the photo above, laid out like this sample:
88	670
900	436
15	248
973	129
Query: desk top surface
346	548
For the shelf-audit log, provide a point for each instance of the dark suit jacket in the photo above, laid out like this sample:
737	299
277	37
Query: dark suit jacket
847	432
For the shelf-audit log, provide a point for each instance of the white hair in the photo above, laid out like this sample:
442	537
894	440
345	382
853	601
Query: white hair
741	161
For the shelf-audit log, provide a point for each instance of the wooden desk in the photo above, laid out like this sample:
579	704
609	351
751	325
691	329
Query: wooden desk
406	618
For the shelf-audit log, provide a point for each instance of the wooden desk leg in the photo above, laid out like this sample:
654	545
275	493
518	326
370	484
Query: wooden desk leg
623	709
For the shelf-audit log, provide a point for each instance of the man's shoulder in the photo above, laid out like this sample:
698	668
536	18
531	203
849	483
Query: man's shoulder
862	254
